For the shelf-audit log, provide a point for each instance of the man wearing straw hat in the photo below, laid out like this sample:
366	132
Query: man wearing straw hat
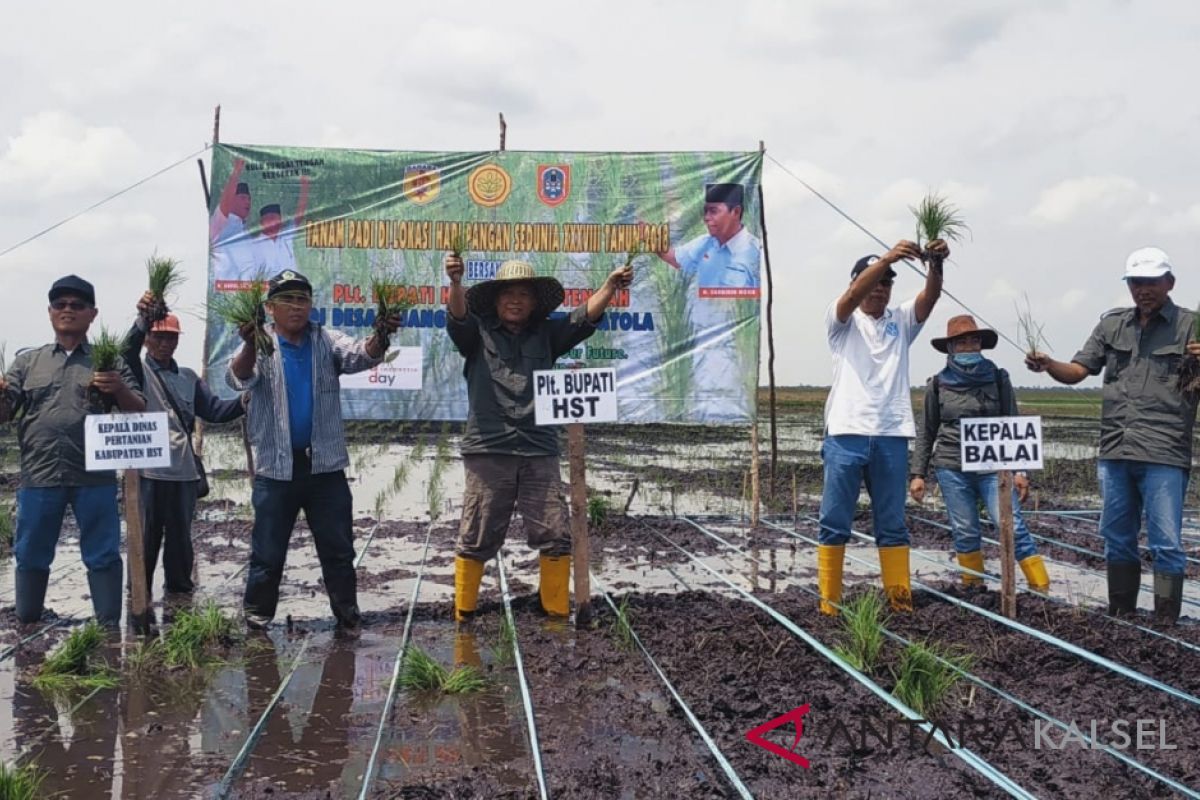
503	330
869	417
1145	430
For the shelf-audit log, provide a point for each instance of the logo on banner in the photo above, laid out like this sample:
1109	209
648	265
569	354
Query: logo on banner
422	183
553	183
489	185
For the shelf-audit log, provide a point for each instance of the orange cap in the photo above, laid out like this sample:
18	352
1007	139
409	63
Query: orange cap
168	324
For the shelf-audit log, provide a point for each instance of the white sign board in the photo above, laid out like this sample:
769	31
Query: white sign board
399	371
574	395
995	443
126	441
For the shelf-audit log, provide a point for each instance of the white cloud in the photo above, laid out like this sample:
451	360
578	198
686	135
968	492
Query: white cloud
1093	195
54	154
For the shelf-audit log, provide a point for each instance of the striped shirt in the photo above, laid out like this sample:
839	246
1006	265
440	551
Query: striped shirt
333	354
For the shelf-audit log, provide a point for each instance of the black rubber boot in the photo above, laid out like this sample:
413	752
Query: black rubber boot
1124	582
31	595
106	585
1168	597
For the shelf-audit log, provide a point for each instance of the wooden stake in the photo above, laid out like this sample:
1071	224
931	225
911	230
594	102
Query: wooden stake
795	503
1008	567
135	554
198	436
576	446
503	130
755	486
762	219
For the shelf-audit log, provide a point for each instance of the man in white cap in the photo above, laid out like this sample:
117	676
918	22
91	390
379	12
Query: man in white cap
1145	430
501	328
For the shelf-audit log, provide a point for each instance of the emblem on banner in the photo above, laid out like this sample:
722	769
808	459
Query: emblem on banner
553	183
422	183
489	185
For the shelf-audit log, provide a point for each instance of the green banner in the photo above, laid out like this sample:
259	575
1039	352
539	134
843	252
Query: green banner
683	338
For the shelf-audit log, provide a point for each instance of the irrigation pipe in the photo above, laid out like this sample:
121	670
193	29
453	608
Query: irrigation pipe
1081	568
534	746
239	762
369	774
726	767
1095	743
968	756
1046	638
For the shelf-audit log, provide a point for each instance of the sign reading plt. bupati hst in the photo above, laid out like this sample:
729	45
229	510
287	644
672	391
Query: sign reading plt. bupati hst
995	443
126	441
575	395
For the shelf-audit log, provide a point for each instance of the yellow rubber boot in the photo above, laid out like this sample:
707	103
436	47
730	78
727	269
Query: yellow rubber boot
1035	573
829	576
972	560
893	567
555	585
468	572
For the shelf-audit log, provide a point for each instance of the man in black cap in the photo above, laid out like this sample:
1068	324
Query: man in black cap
501	328
299	443
869	416
727	256
232	253
48	388
273	245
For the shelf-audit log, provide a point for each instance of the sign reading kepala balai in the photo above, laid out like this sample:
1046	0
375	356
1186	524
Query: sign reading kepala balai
989	444
575	395
126	441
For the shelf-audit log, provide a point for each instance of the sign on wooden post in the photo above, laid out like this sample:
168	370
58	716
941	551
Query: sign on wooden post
1002	444
575	397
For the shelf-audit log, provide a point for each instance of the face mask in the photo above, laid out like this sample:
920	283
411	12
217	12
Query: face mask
967	359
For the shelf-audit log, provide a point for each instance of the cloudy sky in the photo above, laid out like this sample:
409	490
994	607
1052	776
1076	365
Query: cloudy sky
1066	131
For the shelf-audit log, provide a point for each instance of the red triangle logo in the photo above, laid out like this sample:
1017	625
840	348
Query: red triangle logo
755	735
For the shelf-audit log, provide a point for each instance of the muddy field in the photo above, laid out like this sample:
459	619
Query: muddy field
299	712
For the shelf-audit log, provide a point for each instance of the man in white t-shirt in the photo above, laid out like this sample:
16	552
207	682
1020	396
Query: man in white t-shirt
869	417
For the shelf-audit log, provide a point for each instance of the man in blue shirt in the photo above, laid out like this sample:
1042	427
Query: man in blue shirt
725	260
295	426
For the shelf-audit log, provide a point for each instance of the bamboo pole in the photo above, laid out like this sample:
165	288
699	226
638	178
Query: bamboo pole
762	219
135	554
580	549
755	486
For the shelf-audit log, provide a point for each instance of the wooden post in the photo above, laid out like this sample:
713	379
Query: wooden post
755	486
503	131
135	554
198	435
1008	566
762	219
795	503
576	446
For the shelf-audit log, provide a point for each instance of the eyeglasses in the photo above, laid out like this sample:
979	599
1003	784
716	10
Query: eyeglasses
293	299
74	305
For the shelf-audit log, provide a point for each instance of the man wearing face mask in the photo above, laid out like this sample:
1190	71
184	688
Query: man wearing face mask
869	418
1145	430
502	330
970	386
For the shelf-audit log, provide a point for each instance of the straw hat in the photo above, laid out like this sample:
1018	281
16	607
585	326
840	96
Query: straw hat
964	325
481	298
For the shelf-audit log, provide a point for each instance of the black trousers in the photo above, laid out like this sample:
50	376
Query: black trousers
167	511
327	505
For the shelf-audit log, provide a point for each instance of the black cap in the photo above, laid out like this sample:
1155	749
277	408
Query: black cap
73	284
272	208
288	280
865	262
731	194
243	188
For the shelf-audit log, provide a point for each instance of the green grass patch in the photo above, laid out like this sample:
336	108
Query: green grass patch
926	674
862	620
76	663
598	509
194	640
622	627
21	782
420	672
505	649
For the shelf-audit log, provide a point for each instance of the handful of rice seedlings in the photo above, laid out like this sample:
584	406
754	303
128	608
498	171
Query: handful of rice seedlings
633	253
1031	329
459	242
164	275
106	353
391	298
937	218
1189	367
245	306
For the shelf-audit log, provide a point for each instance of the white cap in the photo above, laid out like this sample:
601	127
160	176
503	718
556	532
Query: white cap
1148	262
